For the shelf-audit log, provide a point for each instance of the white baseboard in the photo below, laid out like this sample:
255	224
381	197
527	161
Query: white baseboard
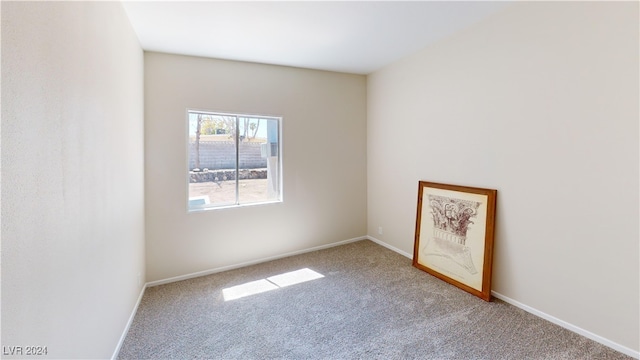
606	342
253	262
392	248
126	328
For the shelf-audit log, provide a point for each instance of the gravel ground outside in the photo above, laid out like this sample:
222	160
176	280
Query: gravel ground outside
224	192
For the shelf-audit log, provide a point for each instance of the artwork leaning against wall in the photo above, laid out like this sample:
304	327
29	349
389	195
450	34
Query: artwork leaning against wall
234	160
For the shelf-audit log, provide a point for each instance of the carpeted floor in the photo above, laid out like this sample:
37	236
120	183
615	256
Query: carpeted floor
370	304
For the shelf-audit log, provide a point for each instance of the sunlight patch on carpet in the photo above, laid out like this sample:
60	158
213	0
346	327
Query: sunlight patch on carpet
270	283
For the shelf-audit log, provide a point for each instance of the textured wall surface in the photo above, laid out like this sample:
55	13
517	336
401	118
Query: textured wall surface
72	176
323	133
540	102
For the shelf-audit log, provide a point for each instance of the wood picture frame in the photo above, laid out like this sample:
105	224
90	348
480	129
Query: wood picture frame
455	234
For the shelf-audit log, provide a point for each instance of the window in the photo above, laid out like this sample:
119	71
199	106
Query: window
233	160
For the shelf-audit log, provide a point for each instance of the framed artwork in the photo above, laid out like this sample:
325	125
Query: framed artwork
454	235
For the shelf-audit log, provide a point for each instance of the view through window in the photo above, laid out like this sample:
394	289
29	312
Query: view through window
233	160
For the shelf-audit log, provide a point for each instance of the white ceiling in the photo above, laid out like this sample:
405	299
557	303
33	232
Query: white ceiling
355	37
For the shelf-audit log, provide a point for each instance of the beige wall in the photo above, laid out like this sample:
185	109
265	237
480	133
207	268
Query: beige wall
324	162
72	176
540	102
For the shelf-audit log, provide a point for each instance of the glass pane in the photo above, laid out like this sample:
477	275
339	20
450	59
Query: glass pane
259	163
212	160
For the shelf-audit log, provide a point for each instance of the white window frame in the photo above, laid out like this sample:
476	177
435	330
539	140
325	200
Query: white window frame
207	206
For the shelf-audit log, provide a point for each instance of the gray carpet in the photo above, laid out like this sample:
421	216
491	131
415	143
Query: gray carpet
370	304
